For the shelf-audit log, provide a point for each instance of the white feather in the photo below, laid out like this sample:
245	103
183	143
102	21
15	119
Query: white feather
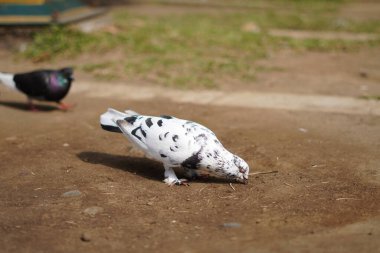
7	80
110	117
131	113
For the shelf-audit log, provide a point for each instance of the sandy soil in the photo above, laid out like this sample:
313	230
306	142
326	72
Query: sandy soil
324	196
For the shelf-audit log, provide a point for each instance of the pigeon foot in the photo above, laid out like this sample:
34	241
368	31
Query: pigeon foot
65	107
171	182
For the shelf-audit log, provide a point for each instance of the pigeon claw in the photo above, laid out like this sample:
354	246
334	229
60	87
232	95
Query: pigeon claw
183	181
31	106
179	182
33	109
65	107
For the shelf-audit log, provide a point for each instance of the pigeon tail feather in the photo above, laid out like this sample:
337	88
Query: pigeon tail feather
109	118
7	80
131	113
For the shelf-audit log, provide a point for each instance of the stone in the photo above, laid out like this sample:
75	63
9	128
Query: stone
85	237
93	210
232	225
73	193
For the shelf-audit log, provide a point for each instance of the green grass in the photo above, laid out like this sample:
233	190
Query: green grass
103	70
91	67
373	97
299	5
56	41
316	22
191	50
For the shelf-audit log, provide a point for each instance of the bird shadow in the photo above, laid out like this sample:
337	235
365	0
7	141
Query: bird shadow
141	166
25	107
137	165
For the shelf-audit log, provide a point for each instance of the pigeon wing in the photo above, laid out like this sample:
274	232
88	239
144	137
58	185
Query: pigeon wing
167	140
131	131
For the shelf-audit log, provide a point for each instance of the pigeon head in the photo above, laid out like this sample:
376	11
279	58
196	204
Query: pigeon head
68	73
239	169
229	166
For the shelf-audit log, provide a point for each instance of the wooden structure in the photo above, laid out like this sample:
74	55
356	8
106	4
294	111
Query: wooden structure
42	12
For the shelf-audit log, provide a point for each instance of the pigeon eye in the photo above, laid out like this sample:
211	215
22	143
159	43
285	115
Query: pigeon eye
242	170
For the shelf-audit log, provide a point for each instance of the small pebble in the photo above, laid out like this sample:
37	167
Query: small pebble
150	203
11	138
93	210
73	193
85	237
66	144
303	130
363	74
232	225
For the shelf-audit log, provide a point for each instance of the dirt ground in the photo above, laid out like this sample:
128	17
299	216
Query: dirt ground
322	197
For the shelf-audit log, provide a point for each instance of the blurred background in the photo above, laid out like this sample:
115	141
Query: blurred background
165	42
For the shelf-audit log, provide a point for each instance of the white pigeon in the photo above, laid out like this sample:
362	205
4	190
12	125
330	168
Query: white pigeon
177	143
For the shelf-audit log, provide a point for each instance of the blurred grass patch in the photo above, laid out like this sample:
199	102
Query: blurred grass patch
56	41
373	97
91	67
321	45
192	49
316	22
106	70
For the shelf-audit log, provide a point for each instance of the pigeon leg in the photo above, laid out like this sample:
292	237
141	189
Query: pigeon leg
190	174
31	105
64	107
171	178
196	174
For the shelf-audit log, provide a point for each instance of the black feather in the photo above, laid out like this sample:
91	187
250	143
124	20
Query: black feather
149	122
131	119
166	116
193	161
111	128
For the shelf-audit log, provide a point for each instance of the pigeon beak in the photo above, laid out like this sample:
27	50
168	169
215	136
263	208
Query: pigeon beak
243	180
